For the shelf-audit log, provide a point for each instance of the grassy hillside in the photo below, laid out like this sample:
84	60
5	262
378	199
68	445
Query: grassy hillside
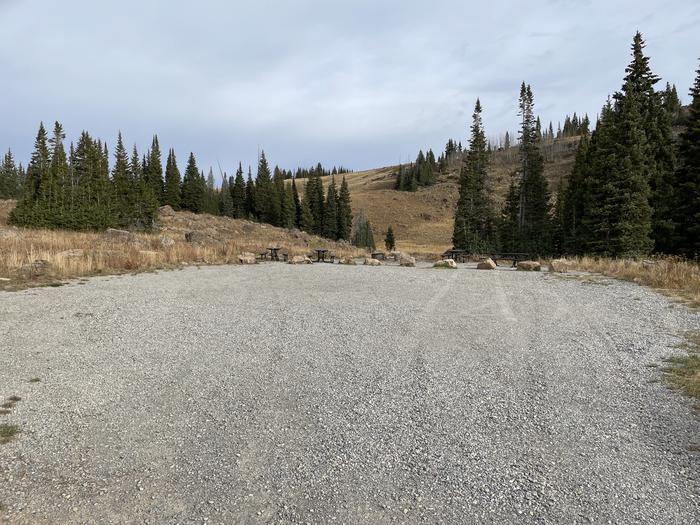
422	221
69	254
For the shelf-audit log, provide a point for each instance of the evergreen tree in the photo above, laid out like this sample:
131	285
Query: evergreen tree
687	195
330	212
153	171
389	240
572	238
344	212
124	200
28	211
306	220
297	204
250	196
145	211
264	193
289	210
171	195
362	232
238	195
226	201
9	177
534	207
474	222
211	195
508	226
193	187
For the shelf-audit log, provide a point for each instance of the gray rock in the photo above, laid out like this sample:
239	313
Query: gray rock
446	263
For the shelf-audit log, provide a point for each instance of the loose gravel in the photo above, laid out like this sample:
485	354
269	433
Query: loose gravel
335	394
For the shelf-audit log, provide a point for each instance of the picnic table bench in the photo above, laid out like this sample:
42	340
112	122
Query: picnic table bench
380	256
455	255
510	256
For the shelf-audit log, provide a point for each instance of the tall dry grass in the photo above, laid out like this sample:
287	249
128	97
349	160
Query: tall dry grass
673	276
70	254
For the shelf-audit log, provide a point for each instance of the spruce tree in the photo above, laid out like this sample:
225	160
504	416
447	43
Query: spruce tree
330	212
687	196
572	237
306	220
193	187
153	171
171	193
297	204
145	212
9	177
238	194
264	192
124	199
28	211
474	223
226	201
344	212
250	197
389	240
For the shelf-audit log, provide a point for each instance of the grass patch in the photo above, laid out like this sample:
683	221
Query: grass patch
14	399
8	404
673	276
683	371
7	433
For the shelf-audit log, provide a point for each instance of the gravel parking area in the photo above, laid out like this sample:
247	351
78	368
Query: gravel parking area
329	394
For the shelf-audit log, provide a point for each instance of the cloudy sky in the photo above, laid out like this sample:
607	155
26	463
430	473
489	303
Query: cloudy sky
361	83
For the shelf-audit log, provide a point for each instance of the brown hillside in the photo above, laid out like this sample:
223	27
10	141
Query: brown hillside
422	221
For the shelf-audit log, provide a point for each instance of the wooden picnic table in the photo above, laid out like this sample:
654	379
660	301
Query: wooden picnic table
321	254
380	256
454	254
510	256
274	255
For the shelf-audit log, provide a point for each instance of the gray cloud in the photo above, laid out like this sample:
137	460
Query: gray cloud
359	83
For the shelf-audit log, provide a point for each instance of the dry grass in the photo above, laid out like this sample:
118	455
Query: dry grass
673	276
683	371
7	433
224	240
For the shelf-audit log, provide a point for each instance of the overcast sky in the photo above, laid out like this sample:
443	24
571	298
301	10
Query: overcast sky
361	83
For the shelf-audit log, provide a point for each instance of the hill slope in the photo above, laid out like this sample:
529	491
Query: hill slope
422	220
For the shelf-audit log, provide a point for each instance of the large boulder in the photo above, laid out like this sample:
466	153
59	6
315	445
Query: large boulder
36	268
446	263
166	211
372	262
407	261
560	265
300	259
247	258
487	264
529	266
347	260
112	234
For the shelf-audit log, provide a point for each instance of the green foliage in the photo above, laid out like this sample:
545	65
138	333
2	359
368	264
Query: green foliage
314	200
193	187
474	228
421	173
9	177
687	195
389	240
172	195
238	195
330	212
153	170
344	212
362	232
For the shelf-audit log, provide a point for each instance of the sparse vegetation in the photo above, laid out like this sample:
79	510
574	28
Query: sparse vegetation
683	371
672	276
34	380
8	432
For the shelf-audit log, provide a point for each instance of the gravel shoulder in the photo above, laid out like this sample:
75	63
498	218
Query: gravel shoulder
330	394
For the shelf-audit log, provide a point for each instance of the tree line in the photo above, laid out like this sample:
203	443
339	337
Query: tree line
75	188
634	187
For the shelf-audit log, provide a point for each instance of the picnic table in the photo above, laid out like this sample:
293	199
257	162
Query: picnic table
510	256
455	255
321	254
380	256
274	255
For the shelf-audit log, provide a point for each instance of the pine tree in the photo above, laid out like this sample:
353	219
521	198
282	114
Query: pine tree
344	212
226	201
154	170
238	194
289	210
330	212
508	227
264	192
687	195
9	177
145	211
193	187
474	223
572	238
534	206
28	211
124	201
250	196
389	240
297	204
212	197
171	195
306	220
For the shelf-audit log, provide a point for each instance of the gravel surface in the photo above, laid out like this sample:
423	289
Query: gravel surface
329	394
